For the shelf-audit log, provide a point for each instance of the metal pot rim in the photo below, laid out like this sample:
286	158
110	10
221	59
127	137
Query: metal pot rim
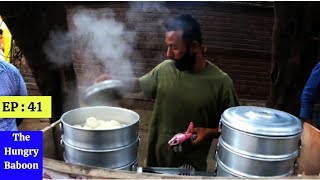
272	137
262	121
95	107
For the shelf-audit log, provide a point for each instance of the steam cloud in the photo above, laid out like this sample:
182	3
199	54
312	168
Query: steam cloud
58	47
106	40
152	14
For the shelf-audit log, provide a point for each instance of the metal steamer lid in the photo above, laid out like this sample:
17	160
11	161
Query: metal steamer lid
102	92
261	121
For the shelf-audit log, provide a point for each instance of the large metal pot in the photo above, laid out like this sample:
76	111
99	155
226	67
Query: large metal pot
257	142
110	148
223	170
120	158
100	139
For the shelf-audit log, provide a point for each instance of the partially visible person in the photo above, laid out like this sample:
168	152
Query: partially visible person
309	96
1	46
1	40
2	56
187	88
12	84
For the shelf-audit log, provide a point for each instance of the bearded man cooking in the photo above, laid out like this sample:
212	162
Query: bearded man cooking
187	88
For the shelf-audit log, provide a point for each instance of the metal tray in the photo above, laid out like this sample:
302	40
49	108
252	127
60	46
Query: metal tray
103	93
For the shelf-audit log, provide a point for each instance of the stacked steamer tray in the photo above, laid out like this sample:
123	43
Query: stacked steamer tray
257	142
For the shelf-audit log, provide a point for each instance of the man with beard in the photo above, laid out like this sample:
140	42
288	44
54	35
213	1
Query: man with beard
186	88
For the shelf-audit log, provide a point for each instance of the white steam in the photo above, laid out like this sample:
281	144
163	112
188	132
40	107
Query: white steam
152	14
146	19
100	39
106	40
58	47
145	7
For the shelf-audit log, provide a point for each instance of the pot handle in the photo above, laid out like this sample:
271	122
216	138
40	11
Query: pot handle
219	127
216	152
61	142
299	152
51	126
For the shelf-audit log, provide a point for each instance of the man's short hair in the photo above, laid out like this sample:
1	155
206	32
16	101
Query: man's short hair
1	31
188	25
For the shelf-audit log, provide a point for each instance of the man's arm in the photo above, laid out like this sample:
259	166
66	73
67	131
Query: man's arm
309	94
147	83
131	84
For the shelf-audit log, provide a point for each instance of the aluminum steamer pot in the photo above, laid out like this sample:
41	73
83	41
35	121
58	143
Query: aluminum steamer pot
257	142
129	167
91	139
120	158
110	148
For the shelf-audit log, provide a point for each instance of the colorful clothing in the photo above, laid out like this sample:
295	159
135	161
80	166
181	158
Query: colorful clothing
12	84
309	95
182	97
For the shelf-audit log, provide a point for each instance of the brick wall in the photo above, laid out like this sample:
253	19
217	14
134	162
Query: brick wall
237	35
31	84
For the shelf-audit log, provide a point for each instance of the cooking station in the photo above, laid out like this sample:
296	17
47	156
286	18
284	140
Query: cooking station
255	142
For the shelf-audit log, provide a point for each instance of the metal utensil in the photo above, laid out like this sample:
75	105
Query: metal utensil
165	170
50	126
104	92
184	170
191	170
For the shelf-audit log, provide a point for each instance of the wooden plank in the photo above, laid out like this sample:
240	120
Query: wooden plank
309	159
65	169
100	173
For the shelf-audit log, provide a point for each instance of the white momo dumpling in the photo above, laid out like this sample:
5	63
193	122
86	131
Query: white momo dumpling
115	123
92	122
101	122
103	125
108	124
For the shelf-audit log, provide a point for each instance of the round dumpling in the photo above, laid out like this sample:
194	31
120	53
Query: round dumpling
104	125
92	122
115	123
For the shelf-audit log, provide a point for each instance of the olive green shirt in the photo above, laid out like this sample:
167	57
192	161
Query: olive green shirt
182	97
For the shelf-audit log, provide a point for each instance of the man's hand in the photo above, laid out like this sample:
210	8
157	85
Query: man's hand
102	77
204	134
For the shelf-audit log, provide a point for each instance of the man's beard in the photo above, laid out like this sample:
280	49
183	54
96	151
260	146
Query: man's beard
186	62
